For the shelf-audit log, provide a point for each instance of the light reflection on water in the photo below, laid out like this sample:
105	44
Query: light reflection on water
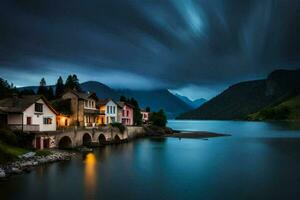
90	175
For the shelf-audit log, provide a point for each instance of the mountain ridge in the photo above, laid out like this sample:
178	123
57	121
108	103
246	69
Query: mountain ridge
244	98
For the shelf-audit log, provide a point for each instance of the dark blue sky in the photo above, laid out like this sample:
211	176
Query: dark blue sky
196	47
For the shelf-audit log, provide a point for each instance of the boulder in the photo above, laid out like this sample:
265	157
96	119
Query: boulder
2	173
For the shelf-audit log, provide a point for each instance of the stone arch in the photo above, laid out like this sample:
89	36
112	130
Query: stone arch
117	139
65	143
86	139
102	139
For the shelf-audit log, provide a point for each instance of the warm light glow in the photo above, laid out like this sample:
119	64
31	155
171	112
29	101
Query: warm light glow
90	175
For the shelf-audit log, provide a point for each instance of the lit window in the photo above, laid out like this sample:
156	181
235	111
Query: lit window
47	120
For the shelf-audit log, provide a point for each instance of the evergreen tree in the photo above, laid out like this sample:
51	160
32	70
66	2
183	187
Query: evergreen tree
123	98
42	90
76	83
72	82
148	109
69	83
50	95
59	87
137	116
6	90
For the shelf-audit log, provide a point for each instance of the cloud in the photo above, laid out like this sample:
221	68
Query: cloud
172	43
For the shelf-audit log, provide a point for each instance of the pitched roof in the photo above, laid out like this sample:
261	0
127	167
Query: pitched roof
83	95
102	102
20	104
122	104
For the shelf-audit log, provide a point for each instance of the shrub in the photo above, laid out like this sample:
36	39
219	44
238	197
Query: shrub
8	137
120	126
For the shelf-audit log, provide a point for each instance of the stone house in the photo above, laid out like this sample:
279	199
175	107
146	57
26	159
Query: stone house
83	108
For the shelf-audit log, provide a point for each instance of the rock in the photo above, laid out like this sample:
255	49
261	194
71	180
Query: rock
2	173
28	155
15	170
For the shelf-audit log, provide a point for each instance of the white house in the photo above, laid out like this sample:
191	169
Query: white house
31	113
110	111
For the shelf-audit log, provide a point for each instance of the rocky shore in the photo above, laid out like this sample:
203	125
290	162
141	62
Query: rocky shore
28	161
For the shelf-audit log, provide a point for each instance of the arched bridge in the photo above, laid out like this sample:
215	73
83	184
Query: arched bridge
73	137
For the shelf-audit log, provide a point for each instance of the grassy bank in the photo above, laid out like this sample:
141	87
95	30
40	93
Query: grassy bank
9	153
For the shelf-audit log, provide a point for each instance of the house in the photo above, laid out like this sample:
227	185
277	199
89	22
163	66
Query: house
31	114
145	116
83	108
127	113
110	112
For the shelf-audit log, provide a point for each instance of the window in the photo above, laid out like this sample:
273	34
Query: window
86	103
107	109
38	107
114	109
127	113
28	120
47	120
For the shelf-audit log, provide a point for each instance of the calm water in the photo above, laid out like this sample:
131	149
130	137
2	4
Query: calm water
259	161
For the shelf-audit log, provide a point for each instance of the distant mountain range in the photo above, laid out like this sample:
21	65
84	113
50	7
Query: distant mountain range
194	104
242	99
155	99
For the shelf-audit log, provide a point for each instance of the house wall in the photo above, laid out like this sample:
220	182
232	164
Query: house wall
38	118
145	116
116	113
77	108
127	119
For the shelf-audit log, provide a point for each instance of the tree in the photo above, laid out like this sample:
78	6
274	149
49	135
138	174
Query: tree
123	98
42	90
72	83
6	89
158	118
50	95
76	82
59	87
148	109
137	116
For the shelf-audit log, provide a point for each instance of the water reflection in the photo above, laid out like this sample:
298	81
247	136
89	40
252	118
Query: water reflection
90	176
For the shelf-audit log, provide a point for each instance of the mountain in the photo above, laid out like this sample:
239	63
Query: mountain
242	99
194	104
101	90
158	99
286	110
155	99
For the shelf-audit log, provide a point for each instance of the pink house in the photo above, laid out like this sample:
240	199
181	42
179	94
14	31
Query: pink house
127	113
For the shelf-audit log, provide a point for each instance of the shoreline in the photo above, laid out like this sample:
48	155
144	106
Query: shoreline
25	164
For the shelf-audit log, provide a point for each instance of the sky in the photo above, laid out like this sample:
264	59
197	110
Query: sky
194	47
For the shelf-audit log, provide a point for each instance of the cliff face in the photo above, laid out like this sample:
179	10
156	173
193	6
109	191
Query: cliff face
244	98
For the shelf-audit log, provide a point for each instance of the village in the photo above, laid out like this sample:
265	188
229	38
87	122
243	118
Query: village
74	119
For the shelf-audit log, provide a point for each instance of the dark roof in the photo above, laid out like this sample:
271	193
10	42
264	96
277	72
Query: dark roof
82	95
20	104
102	102
122	104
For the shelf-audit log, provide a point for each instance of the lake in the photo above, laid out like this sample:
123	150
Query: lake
259	161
